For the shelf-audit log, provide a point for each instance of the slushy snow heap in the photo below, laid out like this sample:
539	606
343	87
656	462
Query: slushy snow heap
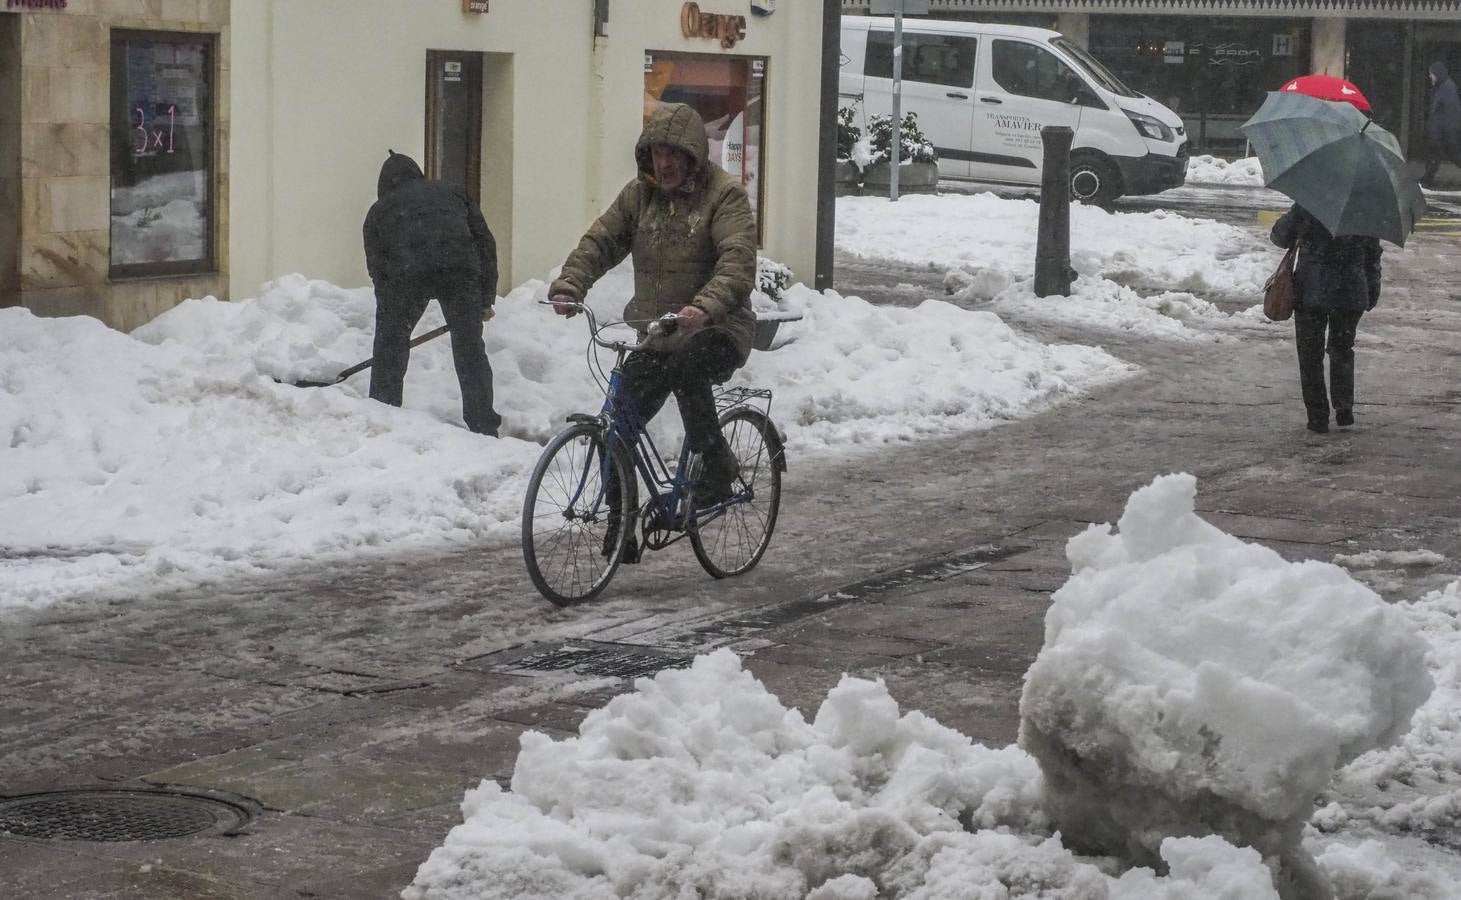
1193	684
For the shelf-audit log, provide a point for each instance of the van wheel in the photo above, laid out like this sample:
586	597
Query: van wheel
1093	180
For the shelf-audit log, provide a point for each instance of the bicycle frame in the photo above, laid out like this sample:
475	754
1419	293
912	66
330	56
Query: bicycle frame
624	431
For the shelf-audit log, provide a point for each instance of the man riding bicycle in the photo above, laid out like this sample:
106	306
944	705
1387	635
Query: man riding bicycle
689	227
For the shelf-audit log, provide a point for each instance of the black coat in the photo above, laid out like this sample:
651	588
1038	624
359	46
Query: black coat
423	231
1443	123
1331	272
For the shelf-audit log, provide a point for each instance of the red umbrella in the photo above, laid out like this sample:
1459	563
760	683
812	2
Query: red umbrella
1328	87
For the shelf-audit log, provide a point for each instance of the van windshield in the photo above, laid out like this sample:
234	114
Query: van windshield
1093	67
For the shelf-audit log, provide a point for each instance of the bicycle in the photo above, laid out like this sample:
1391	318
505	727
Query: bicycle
582	508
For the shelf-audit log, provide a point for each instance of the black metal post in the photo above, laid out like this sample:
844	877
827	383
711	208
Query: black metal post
827	143
1053	273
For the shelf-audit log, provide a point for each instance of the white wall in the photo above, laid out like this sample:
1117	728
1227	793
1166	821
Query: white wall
323	87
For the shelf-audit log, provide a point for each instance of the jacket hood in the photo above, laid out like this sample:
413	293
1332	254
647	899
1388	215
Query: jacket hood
677	125
1438	69
396	171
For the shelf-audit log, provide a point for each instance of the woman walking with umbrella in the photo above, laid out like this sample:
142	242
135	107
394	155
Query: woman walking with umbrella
1338	280
1350	189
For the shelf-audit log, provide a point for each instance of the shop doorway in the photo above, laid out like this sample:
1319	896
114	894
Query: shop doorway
454	119
1374	60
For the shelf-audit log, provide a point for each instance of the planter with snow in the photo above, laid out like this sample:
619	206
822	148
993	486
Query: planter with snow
913	178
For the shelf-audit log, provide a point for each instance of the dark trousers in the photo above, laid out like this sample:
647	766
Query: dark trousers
1439	153
1310	324
398	309
707	359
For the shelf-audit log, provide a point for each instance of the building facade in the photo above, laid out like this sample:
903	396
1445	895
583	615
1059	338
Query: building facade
155	150
114	155
532	106
1212	61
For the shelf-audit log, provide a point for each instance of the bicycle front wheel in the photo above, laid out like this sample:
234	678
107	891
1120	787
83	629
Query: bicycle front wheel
733	540
576	516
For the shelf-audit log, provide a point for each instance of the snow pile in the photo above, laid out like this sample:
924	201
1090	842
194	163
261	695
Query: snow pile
171	457
1140	271
1216	170
134	467
1193	684
1414	787
702	784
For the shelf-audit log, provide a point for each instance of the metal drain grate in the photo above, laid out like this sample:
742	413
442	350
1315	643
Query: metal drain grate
605	660
118	815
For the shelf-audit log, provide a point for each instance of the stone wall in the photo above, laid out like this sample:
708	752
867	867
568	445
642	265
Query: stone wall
64	216
9	159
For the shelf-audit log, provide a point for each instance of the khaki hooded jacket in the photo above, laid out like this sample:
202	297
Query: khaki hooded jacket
694	247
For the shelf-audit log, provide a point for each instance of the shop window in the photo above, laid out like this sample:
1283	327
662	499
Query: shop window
162	154
1031	71
728	92
942	59
1212	71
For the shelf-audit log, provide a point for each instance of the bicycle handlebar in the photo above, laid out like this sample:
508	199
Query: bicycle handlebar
663	326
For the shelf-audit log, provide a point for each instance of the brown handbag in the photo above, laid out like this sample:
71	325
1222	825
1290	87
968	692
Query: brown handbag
1280	293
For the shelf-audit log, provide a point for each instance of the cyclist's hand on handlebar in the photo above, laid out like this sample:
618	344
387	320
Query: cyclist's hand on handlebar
564	305
693	318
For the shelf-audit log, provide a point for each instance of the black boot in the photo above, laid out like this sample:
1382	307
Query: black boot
1343	418
717	481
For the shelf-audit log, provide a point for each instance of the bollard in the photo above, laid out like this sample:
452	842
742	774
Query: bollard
1053	273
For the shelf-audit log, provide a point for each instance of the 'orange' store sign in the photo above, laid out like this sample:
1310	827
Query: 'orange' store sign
717	26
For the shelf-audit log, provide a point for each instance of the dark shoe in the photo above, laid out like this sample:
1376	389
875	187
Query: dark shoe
1344	418
631	546
1318	427
717	481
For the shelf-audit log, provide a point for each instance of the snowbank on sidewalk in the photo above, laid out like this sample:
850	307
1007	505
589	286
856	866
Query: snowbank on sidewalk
1142	273
1178	656
171	456
701	783
1244	172
1191	683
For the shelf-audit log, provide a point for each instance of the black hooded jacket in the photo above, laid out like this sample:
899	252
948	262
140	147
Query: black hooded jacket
422	229
1331	272
1443	124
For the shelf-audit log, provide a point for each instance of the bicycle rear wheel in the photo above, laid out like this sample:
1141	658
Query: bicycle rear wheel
733	540
576	516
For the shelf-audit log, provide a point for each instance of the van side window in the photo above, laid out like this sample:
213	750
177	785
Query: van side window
1032	71
943	59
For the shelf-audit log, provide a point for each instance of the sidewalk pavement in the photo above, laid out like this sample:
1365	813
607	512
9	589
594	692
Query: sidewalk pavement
356	706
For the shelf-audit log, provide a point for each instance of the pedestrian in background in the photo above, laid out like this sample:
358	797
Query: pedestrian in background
427	240
1338	280
1443	123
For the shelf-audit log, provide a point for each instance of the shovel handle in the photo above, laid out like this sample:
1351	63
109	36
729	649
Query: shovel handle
415	342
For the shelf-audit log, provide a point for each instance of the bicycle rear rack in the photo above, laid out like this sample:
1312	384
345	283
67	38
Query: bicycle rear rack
731	397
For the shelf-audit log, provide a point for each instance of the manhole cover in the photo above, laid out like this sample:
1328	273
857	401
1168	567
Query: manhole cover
119	815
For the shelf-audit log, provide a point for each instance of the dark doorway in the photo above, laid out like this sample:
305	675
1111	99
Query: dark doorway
454	119
1375	61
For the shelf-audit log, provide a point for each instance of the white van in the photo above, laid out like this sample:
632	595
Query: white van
983	92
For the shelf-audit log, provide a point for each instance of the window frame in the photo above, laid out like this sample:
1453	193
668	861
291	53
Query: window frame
1036	48
763	75
208	264
911	40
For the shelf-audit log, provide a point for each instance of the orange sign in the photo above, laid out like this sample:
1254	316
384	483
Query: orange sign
717	26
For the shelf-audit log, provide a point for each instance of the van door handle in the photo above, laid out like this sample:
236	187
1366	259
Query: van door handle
990	100
956	95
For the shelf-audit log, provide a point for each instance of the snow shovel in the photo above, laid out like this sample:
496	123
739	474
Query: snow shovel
362	366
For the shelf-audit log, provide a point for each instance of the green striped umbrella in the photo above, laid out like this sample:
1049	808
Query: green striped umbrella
1332	160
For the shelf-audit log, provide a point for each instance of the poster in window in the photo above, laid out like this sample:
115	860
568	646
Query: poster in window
161	156
727	92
